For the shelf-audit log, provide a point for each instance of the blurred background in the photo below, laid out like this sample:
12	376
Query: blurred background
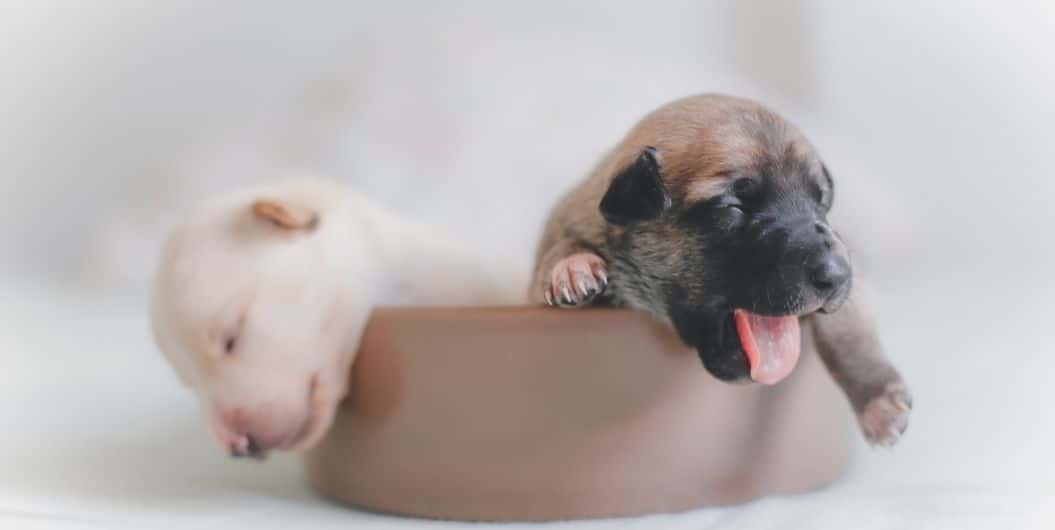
934	117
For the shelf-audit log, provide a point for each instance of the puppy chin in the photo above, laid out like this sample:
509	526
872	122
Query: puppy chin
836	301
714	336
322	408
317	425
230	442
730	366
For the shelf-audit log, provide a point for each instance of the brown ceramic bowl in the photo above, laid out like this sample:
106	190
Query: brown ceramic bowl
539	414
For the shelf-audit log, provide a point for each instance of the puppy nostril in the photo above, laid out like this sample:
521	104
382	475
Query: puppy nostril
820	228
239	447
828	276
823	278
823	285
252	448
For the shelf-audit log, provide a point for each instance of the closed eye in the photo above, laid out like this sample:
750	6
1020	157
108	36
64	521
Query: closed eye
722	211
229	345
227	326
745	187
230	336
735	214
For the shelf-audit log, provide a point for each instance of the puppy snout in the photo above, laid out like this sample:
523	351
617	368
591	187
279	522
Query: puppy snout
253	434
246	446
810	267
829	275
828	270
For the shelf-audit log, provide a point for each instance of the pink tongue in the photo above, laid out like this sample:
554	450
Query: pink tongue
772	344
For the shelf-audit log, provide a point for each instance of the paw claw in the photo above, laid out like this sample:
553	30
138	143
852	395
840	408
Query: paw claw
885	418
577	279
903	406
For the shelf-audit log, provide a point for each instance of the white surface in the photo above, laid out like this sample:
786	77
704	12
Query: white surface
96	431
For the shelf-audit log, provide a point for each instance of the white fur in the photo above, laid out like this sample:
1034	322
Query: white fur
297	302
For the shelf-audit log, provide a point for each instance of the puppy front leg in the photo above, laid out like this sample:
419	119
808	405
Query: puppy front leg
569	275
848	343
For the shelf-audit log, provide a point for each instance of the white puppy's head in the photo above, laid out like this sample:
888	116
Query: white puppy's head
251	306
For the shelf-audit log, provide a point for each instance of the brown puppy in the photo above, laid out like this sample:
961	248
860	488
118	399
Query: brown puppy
711	214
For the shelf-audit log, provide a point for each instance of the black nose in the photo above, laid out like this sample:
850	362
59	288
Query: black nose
252	449
830	275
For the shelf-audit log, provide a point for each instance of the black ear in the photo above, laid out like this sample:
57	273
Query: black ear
636	193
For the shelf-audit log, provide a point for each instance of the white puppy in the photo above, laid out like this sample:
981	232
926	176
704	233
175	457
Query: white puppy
262	296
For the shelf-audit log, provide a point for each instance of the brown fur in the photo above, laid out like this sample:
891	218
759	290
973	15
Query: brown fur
701	138
701	141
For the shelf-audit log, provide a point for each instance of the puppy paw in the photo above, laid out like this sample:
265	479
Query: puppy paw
885	418
576	280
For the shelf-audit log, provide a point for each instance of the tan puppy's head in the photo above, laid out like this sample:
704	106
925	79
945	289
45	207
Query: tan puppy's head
247	306
724	205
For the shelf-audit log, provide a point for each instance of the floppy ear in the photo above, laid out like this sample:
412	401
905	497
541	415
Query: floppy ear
637	192
285	215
